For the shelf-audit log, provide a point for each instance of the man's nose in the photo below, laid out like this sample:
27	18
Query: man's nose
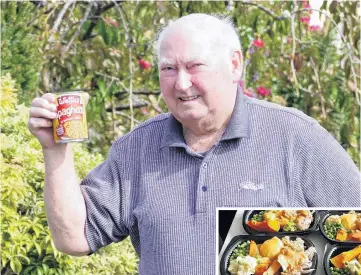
183	81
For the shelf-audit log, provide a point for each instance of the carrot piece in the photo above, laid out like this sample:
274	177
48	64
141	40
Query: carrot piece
253	249
340	260
341	235
265	226
356	236
273	268
261	269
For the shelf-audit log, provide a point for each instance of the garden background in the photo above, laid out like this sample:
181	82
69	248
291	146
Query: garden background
296	53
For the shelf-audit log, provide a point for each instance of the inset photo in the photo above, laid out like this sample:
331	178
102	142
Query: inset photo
289	241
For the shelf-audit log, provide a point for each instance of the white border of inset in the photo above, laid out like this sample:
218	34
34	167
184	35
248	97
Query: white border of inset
217	259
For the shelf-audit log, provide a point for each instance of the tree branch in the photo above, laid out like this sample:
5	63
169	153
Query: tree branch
294	48
130	54
95	17
126	107
39	4
138	92
58	20
79	27
126	116
268	11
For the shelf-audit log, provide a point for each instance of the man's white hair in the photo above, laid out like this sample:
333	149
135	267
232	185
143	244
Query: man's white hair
221	29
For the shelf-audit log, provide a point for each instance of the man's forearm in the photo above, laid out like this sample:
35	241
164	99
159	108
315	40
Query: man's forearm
64	202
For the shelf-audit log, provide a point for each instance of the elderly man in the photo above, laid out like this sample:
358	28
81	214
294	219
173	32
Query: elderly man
162	182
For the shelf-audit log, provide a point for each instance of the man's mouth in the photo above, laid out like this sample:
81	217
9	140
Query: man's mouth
189	98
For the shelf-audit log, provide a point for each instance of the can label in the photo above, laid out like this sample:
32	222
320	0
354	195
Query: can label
70	123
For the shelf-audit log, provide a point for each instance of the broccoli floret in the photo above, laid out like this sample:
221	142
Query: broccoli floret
258	217
290	226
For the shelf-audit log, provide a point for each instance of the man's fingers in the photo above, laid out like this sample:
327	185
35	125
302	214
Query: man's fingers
49	97
43	103
42	113
36	122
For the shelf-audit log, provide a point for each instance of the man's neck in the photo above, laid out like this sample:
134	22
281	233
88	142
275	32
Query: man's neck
201	138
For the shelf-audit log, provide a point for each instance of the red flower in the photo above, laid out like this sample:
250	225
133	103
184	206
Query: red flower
144	64
305	20
315	28
259	43
263	91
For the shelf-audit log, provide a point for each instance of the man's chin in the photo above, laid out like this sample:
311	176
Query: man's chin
189	117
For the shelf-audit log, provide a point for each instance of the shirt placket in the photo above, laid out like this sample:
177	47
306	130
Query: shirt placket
203	183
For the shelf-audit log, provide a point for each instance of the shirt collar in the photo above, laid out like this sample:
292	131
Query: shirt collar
236	128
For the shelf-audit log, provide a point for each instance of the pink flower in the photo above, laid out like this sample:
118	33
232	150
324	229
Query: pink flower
115	23
259	43
305	19
144	110
241	83
263	91
306	4
111	21
315	28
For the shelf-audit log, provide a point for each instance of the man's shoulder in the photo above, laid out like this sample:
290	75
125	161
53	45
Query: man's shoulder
151	126
153	122
264	109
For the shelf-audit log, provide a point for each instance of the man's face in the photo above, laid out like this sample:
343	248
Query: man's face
196	78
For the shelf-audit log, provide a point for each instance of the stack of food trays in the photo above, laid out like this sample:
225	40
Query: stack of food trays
276	244
343	230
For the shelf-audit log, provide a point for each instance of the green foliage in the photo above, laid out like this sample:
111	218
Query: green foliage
20	45
26	243
101	54
107	62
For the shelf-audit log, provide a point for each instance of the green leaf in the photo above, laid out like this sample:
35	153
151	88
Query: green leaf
16	265
39	270
38	248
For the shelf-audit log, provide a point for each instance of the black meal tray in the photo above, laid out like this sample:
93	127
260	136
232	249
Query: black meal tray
323	220
334	250
249	214
259	239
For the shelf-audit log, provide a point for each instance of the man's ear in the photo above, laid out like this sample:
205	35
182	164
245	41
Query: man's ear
237	65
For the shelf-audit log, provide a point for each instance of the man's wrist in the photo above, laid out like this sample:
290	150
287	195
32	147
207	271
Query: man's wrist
60	149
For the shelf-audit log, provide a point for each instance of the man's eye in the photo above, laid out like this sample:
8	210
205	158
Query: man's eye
196	65
168	68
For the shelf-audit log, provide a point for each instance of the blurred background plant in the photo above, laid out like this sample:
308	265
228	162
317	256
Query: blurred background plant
302	54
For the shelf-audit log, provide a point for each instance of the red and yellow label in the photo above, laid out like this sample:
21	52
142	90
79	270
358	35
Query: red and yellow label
70	123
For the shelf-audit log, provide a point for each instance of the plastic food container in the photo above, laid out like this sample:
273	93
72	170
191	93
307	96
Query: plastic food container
259	239
333	251
323	221
249	214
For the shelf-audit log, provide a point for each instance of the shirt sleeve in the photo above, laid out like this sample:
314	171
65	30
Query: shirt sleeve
102	192
325	172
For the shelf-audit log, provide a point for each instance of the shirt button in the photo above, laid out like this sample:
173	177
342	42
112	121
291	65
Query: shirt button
204	188
204	165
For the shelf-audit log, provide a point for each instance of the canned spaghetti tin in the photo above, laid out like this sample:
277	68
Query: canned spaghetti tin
70	124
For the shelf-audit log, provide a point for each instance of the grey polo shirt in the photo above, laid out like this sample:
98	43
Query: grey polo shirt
163	195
